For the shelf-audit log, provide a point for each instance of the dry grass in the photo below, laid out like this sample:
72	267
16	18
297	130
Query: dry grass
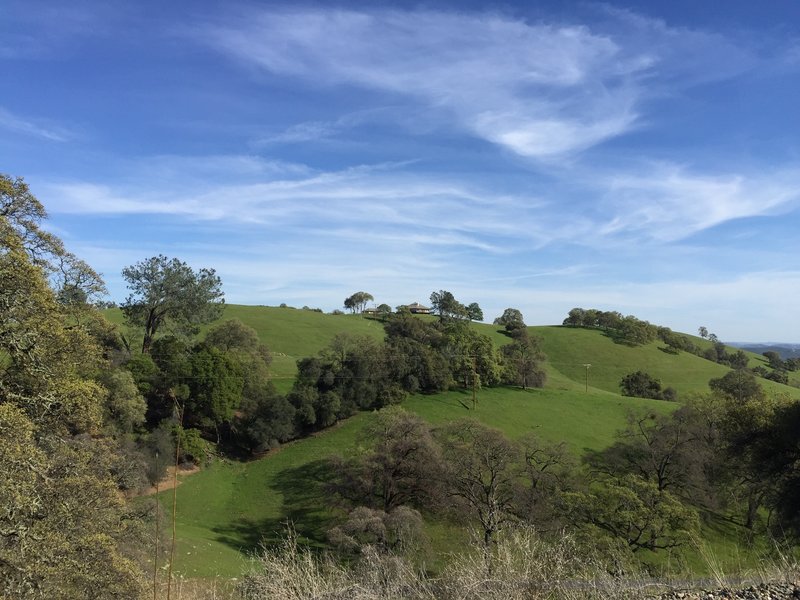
783	565
526	566
290	572
194	589
522	566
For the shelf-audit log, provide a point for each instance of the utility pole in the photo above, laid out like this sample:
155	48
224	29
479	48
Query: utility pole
155	555
179	411
587	365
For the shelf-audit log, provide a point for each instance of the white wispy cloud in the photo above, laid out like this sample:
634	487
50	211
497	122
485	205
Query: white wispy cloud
381	201
33	127
651	203
669	202
45	30
679	56
219	167
540	90
317	130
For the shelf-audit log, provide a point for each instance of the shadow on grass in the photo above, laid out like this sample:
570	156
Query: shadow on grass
454	401
307	506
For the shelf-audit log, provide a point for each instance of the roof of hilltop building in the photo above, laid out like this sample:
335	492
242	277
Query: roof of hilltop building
416	307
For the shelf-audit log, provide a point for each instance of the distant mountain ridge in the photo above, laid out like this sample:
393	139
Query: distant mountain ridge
784	350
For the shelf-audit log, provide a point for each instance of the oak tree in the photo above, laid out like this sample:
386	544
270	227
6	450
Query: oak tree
168	293
481	473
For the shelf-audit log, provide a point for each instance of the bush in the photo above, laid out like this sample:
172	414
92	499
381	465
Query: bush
779	377
641	385
670	394
399	531
193	448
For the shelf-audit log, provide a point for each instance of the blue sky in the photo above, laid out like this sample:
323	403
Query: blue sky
641	157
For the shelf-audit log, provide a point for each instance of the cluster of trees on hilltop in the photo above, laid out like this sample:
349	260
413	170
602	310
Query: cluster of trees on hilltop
447	307
443	303
634	331
624	329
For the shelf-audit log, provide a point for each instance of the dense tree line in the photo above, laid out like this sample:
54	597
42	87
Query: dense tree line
624	329
726	450
417	356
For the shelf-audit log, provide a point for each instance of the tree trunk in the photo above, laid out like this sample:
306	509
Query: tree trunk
753	503
146	343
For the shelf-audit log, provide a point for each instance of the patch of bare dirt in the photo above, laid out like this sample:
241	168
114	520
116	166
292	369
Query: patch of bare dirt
168	482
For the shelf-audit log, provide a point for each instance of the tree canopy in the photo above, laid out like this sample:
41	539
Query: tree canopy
641	385
167	293
358	301
74	281
510	319
446	306
523	360
474	312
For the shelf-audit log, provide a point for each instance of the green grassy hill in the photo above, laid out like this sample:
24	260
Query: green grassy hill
225	511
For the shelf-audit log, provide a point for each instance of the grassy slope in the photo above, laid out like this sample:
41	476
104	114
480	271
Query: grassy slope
224	510
568	349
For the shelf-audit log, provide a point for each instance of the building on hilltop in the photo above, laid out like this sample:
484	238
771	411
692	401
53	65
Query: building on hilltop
417	309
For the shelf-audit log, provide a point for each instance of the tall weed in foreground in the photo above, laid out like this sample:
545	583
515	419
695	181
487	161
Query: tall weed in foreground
712	562
291	572
783	564
527	566
522	566
194	589
780	563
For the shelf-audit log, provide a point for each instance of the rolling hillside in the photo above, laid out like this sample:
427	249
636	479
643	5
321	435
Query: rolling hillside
293	333
226	510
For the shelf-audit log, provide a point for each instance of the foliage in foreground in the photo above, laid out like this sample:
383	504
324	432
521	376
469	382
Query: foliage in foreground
65	532
521	565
